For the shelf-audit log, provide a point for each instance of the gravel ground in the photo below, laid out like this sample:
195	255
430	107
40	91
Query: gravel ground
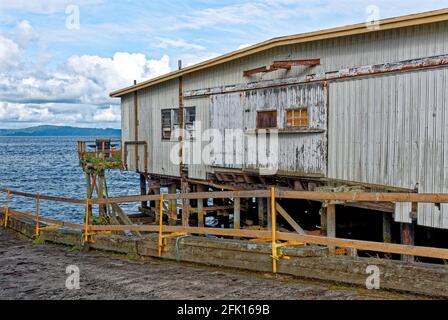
32	271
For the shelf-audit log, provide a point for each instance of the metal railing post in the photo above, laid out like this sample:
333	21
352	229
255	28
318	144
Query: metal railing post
274	231
37	214
160	242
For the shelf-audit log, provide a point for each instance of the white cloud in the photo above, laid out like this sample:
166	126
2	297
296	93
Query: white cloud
82	79
25	33
9	54
43	6
111	114
182	44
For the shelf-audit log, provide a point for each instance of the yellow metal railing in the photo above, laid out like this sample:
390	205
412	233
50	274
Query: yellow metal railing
278	239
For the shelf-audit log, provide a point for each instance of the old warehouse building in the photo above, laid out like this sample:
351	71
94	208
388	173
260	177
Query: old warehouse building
355	107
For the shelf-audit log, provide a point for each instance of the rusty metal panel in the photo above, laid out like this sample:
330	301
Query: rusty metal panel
391	130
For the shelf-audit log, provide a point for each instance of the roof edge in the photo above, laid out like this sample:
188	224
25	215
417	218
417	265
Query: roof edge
360	28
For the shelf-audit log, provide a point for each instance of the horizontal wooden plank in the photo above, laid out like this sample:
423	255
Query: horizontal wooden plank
364	196
32	216
428	252
283	236
44	197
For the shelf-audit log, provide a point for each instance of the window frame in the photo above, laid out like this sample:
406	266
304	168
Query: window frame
174	121
258	127
300	125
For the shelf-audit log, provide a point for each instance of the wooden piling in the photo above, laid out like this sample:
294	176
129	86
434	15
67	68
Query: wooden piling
331	223
172	189
407	231
201	212
237	214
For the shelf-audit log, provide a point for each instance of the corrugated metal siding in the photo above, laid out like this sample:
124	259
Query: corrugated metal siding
150	103
391	130
198	170
301	153
335	54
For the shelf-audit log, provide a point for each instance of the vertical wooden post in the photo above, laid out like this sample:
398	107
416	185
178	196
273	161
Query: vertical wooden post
8	198
136	124
143	190
270	211
407	238
274	231
185	205
331	223
201	213
323	220
37	215
261	211
387	232
237	214
160	225
173	205
157	204
86	228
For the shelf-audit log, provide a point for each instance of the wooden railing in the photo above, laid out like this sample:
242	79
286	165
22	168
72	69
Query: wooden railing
276	238
100	149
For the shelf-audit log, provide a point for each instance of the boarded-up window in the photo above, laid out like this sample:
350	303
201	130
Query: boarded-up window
297	118
266	119
171	122
166	124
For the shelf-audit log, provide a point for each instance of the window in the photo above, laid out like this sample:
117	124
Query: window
171	122
190	119
297	118
266	119
166	124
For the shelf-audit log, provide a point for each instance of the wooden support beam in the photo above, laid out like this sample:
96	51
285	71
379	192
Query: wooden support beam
250	73
387	228
143	190
407	231
323	221
261	211
289	219
156	192
287	64
172	189
201	212
237	213
331	223
436	253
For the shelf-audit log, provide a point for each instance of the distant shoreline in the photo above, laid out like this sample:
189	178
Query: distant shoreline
60	131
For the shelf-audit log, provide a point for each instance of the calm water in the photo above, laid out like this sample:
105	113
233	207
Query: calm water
49	166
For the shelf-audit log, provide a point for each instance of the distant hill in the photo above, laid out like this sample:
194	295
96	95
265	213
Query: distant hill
57	131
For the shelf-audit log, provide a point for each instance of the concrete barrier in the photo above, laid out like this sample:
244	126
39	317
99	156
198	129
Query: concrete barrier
306	262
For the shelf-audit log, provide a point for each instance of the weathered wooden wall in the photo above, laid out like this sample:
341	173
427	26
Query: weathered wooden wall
302	153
